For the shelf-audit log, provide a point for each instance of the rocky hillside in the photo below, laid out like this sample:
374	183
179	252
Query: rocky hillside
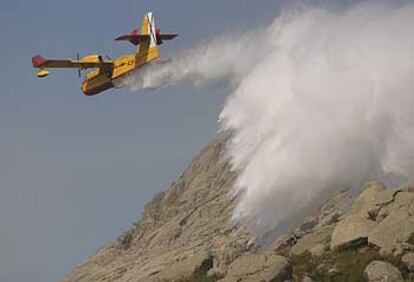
185	234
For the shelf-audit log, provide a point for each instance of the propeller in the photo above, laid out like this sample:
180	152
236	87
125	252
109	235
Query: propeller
108	58
79	70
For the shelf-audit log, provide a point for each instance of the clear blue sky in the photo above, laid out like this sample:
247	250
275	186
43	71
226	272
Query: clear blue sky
76	171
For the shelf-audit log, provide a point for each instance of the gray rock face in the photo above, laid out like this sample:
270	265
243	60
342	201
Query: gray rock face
314	242
353	230
396	229
408	260
366	203
314	234
307	279
187	230
186	267
380	217
284	241
263	267
179	231
355	227
226	250
379	271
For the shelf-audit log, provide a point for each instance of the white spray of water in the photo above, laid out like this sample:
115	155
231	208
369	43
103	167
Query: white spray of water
321	99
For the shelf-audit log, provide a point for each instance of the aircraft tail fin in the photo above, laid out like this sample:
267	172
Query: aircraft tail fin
148	49
149	37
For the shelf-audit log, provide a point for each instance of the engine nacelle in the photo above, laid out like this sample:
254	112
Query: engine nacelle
43	73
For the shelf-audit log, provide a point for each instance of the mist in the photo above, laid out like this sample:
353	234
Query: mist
319	100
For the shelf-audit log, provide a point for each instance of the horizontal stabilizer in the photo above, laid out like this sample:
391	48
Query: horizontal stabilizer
162	37
38	61
167	36
137	39
134	38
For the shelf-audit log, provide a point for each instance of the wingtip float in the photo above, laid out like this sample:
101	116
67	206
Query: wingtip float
105	72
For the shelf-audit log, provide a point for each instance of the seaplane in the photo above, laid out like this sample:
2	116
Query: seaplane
105	73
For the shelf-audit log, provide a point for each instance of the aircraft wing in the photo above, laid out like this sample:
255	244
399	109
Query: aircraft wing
40	62
134	38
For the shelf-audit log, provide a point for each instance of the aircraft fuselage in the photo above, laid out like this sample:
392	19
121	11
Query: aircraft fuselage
100	80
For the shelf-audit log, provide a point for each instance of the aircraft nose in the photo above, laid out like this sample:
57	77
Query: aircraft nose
84	87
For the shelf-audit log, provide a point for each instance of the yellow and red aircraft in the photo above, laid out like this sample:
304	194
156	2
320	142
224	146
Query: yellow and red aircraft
107	72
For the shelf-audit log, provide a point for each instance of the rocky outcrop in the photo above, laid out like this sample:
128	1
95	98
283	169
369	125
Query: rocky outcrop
179	232
186	234
307	279
351	231
378	226
380	217
395	230
314	234
226	250
367	202
314	243
264	267
355	227
379	271
408	260
190	266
